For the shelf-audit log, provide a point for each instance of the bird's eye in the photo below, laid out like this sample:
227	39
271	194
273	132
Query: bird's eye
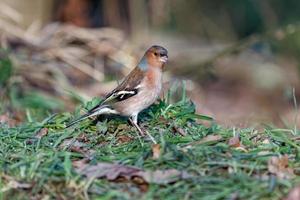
162	54
155	54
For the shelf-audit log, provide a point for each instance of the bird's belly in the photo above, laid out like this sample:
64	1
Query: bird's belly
139	102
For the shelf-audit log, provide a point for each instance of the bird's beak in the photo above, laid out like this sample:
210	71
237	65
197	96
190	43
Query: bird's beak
163	59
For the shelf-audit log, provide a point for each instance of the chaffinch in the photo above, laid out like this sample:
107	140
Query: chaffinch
138	91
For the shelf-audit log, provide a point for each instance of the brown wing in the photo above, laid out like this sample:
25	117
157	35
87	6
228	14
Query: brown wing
128	88
129	85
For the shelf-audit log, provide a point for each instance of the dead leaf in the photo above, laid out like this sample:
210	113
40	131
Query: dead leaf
71	143
5	119
294	194
155	151
179	130
12	183
124	139
279	167
80	163
234	141
163	176
83	138
43	132
114	171
108	171
208	139
19	185
76	146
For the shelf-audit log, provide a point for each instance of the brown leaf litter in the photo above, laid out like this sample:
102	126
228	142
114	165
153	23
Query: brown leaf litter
179	130
156	151
6	119
210	139
13	184
77	146
236	143
280	167
41	133
113	171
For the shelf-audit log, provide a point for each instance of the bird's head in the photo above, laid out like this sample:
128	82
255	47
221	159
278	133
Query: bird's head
156	56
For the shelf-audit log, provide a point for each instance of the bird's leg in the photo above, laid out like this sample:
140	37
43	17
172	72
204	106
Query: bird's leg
135	118
133	121
140	132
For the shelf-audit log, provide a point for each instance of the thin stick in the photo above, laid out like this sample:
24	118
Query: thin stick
296	109
141	132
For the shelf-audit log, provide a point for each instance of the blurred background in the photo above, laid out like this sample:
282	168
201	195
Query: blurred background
240	60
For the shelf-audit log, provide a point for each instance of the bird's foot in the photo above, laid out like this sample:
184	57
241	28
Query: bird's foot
141	132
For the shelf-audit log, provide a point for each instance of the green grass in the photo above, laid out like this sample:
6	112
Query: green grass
41	166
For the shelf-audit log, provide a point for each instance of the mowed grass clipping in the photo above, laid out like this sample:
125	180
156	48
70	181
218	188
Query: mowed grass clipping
42	160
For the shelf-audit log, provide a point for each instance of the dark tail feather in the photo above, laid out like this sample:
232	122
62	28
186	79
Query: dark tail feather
98	110
83	117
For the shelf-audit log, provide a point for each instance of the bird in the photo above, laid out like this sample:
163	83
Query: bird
139	89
